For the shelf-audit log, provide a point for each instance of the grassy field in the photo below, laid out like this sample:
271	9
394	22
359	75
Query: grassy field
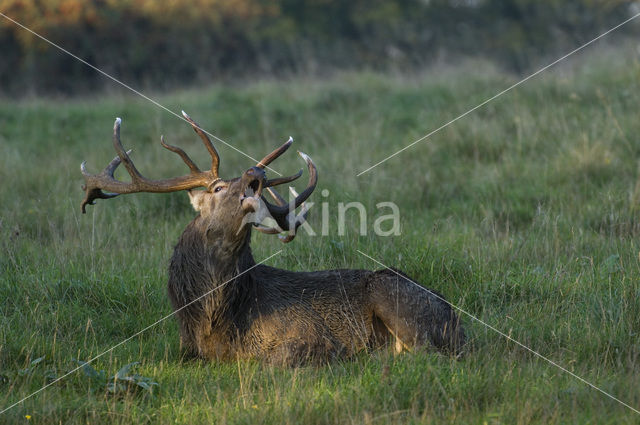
524	213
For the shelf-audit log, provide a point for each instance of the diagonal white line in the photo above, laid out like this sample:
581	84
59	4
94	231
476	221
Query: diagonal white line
499	94
137	333
128	87
504	335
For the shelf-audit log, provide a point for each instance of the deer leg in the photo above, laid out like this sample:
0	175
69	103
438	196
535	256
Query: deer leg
414	315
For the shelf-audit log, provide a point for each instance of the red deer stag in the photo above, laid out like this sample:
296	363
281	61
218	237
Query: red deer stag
258	311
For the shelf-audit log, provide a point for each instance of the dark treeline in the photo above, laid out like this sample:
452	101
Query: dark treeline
163	43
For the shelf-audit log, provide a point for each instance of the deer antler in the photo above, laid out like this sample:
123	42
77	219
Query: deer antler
284	213
95	184
294	220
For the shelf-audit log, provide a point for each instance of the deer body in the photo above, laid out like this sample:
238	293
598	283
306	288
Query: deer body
228	307
287	317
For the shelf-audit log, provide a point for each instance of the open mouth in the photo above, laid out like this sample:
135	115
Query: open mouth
254	186
250	199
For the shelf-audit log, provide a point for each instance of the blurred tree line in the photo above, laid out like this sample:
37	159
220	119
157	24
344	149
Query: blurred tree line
180	42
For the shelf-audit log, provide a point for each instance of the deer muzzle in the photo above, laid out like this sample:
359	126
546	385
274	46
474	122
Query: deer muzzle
253	180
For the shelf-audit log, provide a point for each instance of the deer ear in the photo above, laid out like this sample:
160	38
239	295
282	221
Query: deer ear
197	198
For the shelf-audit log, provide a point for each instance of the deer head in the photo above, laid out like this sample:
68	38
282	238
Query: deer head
224	205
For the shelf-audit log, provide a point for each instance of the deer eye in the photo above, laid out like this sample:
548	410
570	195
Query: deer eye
218	189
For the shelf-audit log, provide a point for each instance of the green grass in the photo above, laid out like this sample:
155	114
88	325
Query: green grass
524	214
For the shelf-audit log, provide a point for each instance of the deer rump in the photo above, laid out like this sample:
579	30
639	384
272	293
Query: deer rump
228	307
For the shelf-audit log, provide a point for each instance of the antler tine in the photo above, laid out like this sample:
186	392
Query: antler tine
276	153
215	158
111	167
282	180
192	166
124	155
313	179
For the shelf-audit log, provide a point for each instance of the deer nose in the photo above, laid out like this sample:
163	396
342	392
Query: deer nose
254	173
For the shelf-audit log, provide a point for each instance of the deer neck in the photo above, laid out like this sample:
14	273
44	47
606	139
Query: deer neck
201	266
223	255
230	262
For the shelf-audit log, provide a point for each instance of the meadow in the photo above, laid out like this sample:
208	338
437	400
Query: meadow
525	214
